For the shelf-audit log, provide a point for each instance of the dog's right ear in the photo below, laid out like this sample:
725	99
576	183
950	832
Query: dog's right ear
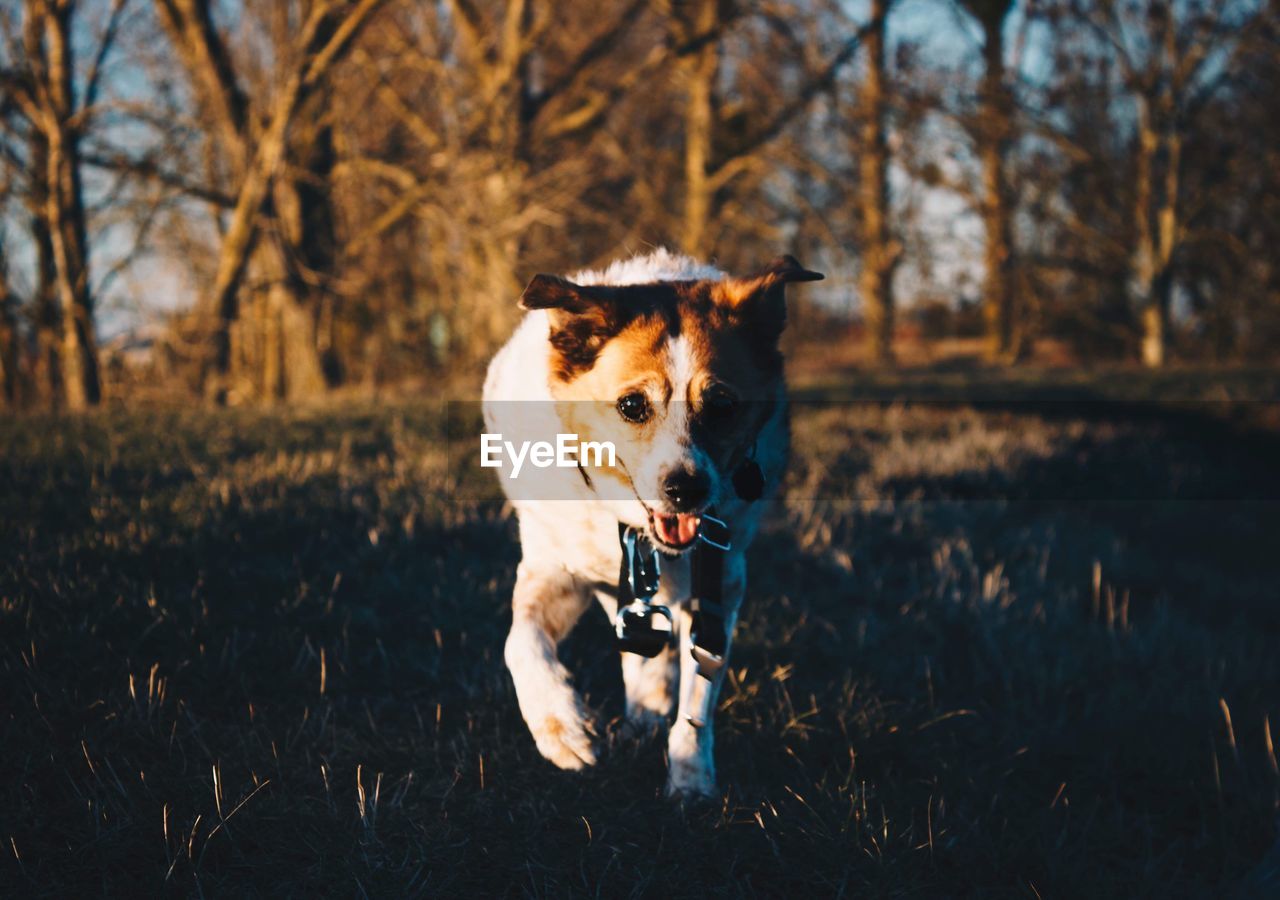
581	318
555	293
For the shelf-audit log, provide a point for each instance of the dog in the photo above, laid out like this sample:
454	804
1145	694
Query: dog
677	366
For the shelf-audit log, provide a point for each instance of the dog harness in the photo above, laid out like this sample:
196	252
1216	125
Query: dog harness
646	628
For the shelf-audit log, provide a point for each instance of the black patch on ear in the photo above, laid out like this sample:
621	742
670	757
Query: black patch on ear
755	305
554	292
582	319
577	342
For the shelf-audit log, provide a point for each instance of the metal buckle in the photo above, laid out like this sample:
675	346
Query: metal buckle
714	532
643	628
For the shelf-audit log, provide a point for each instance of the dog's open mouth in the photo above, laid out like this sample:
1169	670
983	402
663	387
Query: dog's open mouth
676	531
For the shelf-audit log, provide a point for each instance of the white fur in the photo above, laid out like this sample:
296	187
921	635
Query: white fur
682	364
645	268
570	549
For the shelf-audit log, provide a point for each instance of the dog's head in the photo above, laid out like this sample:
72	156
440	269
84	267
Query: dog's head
679	375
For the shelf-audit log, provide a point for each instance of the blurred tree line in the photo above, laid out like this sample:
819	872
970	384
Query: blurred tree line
355	190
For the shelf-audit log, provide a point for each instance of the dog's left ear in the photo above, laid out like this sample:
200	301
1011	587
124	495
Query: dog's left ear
761	298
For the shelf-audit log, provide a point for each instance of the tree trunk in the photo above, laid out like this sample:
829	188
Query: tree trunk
64	211
1154	333
9	388
303	371
994	130
46	371
305	219
878	254
1156	235
78	352
58	206
257	146
699	119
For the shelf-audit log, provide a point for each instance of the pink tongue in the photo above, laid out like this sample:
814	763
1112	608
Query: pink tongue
679	529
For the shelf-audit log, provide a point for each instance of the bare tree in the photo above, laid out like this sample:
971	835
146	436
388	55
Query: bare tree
699	73
722	142
992	130
473	161
1228	272
44	88
1172	57
879	250
274	352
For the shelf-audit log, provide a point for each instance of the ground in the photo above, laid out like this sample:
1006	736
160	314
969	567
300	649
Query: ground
1010	637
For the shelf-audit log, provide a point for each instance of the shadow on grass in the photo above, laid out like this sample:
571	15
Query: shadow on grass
270	674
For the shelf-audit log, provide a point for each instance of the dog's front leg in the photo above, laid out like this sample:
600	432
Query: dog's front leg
691	765
544	608
651	682
650	685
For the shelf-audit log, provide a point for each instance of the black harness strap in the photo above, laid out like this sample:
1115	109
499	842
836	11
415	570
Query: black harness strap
710	638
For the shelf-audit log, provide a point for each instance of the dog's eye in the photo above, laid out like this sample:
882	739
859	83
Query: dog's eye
634	407
719	403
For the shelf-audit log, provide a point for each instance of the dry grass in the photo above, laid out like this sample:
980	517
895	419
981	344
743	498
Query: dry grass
1002	649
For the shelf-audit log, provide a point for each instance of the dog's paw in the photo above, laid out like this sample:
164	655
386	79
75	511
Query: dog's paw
566	739
691	769
690	782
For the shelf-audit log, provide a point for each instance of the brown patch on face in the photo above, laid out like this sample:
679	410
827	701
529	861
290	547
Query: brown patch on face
633	360
635	355
584	318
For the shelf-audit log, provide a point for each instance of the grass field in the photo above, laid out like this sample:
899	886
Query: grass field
1021	644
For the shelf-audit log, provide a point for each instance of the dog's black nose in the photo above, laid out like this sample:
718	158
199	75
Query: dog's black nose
686	490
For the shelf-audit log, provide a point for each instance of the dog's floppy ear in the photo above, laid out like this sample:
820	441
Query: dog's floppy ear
761	298
581	318
554	292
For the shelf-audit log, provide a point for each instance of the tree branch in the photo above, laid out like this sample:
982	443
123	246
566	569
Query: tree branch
819	84
150	169
94	80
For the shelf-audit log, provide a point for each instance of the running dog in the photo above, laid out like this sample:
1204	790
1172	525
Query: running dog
676	365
